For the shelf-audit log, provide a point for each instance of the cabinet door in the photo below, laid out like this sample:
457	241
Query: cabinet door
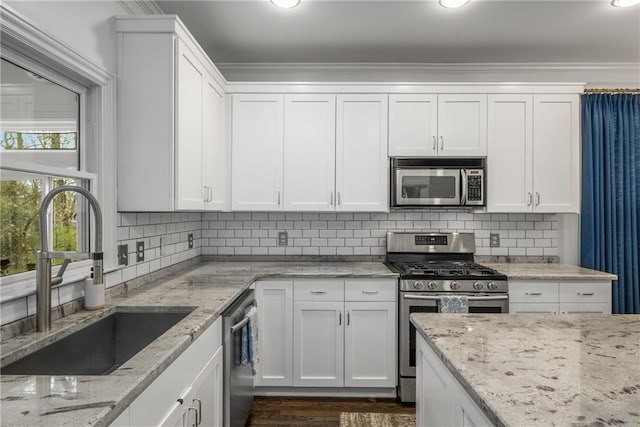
413	121
434	389
556	139
215	148
189	161
510	151
370	344
275	333
309	152
257	137
207	395
585	308
533	308
318	344
361	153
462	125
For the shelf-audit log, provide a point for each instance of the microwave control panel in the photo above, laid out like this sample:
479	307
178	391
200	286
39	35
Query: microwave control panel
474	186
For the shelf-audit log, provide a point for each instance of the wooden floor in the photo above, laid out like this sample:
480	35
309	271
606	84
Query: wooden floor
320	411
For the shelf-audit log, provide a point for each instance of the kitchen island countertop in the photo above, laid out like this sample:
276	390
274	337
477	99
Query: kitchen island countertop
542	370
97	400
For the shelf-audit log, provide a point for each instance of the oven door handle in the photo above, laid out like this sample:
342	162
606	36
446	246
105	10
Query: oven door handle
435	297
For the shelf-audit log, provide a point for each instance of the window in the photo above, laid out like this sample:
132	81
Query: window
40	146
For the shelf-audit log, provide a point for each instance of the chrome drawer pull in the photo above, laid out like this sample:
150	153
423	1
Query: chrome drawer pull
586	294
369	292
318	292
533	293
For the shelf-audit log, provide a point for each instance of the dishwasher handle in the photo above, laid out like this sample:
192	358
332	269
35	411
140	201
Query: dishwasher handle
240	324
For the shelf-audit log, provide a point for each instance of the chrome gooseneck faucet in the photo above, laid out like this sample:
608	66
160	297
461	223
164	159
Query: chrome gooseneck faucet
44	281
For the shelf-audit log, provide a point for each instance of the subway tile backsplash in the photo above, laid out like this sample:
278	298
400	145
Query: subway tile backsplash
335	234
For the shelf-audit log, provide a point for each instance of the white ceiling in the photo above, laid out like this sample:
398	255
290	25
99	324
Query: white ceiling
484	31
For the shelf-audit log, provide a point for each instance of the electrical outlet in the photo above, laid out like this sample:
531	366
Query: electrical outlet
283	238
494	240
139	251
190	238
123	254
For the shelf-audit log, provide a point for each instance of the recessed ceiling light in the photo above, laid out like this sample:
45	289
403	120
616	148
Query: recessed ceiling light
624	3
457	3
285	4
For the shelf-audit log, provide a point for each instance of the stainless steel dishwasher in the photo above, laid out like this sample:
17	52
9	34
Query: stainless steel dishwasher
238	377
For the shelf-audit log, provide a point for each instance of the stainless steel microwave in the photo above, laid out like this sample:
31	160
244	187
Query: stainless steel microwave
420	182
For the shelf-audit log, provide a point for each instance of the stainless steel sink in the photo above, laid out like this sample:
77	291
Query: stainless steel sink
101	347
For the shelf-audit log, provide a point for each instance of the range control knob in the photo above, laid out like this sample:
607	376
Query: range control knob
477	286
432	285
418	285
455	285
492	286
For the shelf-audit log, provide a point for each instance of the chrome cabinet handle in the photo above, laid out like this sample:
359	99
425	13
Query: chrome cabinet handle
435	143
318	292
369	292
537	199
210	194
585	294
441	142
339	317
199	411
331	199
339	199
278	197
533	293
191	408
529	199
205	194
348	318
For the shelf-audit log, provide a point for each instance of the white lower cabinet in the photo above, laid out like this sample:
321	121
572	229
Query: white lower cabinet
327	333
559	297
188	392
440	399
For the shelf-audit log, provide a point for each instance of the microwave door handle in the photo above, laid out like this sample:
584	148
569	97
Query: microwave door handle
463	198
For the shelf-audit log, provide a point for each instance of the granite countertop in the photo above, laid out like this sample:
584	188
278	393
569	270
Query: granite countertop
543	370
97	400
549	271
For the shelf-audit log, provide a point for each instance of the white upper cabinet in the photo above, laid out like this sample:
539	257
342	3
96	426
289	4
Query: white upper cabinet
447	125
165	131
533	153
217	156
462	125
413	125
257	152
361	147
556	153
309	152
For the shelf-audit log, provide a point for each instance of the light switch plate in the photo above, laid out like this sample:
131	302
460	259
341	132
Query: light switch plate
494	240
139	251
283	238
123	254
190	238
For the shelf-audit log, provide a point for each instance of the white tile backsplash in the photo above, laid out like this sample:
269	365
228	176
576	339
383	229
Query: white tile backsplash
330	233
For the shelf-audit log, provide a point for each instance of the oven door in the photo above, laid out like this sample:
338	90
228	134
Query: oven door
421	302
427	187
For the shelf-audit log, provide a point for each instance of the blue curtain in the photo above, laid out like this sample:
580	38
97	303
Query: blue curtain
610	232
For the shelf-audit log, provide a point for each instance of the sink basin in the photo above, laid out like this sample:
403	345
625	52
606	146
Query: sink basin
101	347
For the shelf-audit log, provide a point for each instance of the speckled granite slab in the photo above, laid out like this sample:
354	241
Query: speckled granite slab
98	400
545	370
529	271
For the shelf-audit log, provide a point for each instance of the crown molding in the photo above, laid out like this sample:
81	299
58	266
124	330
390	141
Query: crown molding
140	7
592	73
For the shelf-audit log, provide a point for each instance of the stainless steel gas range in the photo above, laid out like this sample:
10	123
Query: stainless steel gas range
432	266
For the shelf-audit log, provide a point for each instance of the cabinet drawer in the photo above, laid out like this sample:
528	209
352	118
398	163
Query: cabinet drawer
370	290
533	308
585	292
585	308
318	290
533	291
